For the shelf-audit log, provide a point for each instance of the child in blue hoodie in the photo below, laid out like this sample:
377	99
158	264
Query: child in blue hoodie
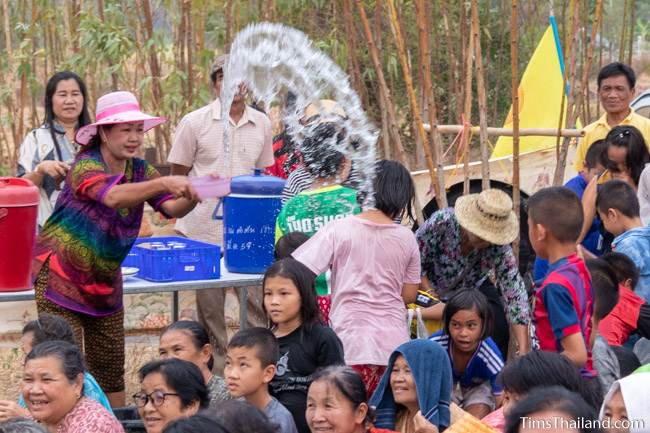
618	208
415	390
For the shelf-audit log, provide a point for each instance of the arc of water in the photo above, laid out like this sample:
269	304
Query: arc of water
273	58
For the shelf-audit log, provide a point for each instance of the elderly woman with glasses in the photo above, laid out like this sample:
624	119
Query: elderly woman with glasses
170	389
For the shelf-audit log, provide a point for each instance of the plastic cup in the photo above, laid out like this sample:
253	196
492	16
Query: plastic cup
211	187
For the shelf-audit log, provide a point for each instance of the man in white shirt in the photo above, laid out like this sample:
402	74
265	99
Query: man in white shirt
198	151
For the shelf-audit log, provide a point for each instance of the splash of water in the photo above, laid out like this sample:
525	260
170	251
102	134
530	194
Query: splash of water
272	59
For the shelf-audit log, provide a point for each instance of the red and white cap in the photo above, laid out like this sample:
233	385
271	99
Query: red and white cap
117	107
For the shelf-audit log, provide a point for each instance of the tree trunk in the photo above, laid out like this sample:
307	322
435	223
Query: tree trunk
453	76
189	40
268	13
384	93
229	25
621	47
514	26
482	98
145	6
11	101
408	81
353	64
467	108
558	178
632	26
583	100
429	97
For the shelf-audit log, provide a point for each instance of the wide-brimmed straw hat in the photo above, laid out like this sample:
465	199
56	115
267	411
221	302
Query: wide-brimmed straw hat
117	107
489	216
324	111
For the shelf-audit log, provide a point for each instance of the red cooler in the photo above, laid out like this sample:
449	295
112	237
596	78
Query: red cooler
18	213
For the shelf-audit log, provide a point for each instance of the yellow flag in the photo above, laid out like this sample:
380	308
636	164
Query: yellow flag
540	96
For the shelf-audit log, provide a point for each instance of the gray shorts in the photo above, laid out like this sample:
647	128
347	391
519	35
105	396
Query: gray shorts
467	396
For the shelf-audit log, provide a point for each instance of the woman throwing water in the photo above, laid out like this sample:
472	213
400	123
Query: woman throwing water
93	226
469	247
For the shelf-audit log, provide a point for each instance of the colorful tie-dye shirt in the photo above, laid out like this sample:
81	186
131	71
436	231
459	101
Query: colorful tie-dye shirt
86	241
443	264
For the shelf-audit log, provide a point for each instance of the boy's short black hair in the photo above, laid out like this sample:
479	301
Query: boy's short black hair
49	327
260	339
596	154
559	210
617	68
289	243
469	299
620	196
605	287
623	266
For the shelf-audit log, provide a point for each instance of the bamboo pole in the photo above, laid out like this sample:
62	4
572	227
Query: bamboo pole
453	77
408	80
632	26
506	132
514	27
571	111
384	91
429	97
583	95
621	46
482	98
11	104
189	41
467	108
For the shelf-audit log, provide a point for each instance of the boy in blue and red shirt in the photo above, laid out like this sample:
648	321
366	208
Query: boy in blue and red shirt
563	300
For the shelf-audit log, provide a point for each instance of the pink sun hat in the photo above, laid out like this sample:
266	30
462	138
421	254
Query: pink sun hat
117	107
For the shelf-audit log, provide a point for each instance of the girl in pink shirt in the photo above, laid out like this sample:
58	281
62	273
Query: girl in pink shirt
375	266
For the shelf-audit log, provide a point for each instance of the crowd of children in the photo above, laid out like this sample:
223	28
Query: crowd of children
337	354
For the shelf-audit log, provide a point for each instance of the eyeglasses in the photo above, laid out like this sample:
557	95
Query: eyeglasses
157	398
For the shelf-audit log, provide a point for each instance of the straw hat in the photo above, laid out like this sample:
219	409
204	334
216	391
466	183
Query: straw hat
324	111
117	107
489	216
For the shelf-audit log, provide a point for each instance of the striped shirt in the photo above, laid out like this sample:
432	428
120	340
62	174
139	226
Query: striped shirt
485	364
198	143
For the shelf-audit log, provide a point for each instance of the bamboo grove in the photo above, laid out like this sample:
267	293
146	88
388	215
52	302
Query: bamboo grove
411	61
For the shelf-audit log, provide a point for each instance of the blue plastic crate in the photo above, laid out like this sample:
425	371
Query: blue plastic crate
175	259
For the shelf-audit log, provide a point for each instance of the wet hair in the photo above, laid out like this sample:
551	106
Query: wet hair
289	243
231	413
394	189
199	423
69	355
637	152
348	382
540	368
304	280
605	286
614	69
620	196
50	327
50	90
196	332
596	154
262	340
623	266
559	210
557	399
183	377
469	299
21	425
628	362
319	157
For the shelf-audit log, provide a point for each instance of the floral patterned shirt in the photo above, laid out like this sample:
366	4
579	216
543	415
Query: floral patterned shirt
443	264
88	416
217	391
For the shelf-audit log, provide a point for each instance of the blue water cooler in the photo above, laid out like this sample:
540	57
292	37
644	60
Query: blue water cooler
249	214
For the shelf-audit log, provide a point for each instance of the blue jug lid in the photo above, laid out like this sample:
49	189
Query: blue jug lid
256	184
